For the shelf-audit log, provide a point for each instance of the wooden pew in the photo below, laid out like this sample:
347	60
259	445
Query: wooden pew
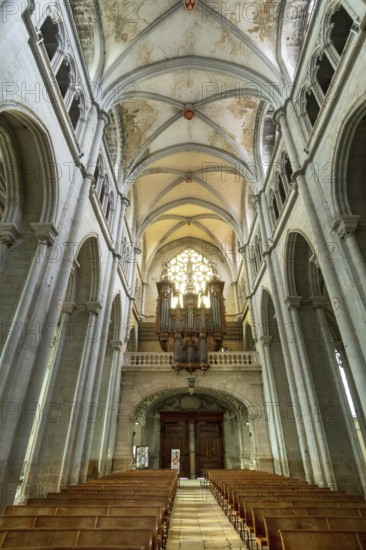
85	522
322	540
24	538
260	513
58	547
274	524
92	511
346	524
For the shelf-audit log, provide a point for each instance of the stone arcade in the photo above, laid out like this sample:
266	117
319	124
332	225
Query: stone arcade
131	133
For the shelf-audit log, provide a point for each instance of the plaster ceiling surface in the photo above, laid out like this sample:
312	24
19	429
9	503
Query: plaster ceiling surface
226	63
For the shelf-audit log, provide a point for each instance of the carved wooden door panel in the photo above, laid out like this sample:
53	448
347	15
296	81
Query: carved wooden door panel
209	445
174	435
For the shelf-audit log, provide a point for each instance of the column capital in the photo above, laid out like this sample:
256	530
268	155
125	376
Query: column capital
9	233
104	117
68	307
125	201
93	307
278	114
116	344
345	225
265	340
318	301
45	232
293	301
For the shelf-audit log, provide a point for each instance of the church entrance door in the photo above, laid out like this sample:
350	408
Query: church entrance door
198	435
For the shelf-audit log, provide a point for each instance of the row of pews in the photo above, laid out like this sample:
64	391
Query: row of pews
126	511
281	513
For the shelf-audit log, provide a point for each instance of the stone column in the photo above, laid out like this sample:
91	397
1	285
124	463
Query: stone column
339	346
262	455
143	299
45	233
342	416
122	459
137	251
306	438
351	330
110	413
248	295
234	284
274	416
71	461
109	294
345	226
309	405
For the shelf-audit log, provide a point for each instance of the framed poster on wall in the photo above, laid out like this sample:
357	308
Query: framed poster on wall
175	459
142	457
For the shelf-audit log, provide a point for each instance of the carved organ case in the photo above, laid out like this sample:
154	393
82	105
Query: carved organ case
190	320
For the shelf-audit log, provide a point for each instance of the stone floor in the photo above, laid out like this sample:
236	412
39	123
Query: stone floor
198	523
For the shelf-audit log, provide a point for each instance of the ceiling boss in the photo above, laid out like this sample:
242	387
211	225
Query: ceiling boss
189	4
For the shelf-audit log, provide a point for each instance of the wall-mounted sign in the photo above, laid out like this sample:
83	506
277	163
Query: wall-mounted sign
142	457
175	459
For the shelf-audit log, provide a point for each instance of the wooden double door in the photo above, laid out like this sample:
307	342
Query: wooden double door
199	436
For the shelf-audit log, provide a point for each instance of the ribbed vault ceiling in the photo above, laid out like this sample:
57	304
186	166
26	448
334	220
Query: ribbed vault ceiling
228	62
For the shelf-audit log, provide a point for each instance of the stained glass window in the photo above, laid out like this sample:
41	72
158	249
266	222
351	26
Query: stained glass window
189	269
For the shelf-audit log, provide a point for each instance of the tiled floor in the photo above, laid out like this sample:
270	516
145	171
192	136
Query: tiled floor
198	523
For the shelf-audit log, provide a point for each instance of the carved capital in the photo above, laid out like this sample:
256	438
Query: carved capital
318	301
345	225
9	233
45	232
116	344
265	340
68	307
293	301
93	307
277	115
125	201
104	116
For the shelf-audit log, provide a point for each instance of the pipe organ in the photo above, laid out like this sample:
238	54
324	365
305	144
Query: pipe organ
190	320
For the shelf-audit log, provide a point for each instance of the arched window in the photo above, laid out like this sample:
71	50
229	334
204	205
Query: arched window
312	107
63	77
268	136
102	193
109	209
189	268
75	111
275	208
49	32
341	23
281	190
97	172
288	170
324	73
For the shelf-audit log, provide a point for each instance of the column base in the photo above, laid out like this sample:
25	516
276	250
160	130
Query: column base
121	464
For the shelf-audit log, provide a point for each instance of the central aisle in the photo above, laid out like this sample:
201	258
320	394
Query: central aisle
198	523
